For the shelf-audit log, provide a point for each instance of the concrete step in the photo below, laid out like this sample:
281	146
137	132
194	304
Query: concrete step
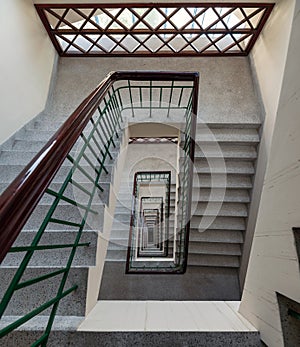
19	144
84	256
50	116
125	198
221	195
75	193
121	221
122	217
116	255
118	243
123	208
68	213
121	232
121	243
126	187
213	260
222	181
227	135
34	135
9	157
225	151
22	157
253	123
218	223
23	301
43	134
46	124
216	248
218	209
222	236
10	172
224	166
33	146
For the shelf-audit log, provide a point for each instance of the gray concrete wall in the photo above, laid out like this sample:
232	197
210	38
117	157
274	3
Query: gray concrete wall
227	92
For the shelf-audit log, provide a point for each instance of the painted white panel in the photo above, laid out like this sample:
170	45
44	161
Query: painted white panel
26	63
273	265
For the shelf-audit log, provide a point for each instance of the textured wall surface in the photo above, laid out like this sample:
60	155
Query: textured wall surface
227	92
273	263
268	59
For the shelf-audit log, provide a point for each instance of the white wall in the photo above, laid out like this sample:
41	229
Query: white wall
273	263
26	63
268	59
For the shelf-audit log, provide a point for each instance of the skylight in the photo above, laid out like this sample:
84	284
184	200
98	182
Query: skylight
154	29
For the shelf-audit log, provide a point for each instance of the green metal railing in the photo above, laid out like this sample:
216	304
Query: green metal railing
294	314
185	188
82	152
92	152
189	107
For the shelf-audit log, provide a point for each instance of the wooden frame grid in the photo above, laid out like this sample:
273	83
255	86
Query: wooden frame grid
160	29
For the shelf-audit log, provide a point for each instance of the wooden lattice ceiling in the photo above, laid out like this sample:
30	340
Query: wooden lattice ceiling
186	29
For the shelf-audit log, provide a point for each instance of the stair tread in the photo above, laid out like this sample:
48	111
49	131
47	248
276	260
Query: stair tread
226	151
222	180
221	195
224	166
223	236
227	135
220	209
214	248
225	223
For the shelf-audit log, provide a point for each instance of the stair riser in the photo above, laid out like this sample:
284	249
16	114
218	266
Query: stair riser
224	223
213	260
222	236
214	248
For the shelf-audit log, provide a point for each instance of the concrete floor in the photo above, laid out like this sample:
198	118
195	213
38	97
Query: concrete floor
198	283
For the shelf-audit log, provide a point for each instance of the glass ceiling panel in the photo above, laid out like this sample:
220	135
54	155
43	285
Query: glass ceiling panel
153	29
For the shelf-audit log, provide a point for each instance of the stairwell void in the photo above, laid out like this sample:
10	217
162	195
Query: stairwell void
149	223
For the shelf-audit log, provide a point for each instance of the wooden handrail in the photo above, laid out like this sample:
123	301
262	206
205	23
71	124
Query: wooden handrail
22	196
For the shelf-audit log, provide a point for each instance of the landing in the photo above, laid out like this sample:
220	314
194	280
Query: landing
197	316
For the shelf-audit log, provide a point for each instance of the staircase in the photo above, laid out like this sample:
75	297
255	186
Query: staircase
214	251
14	155
223	174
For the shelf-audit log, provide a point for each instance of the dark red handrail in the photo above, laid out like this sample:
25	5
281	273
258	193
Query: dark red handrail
22	196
